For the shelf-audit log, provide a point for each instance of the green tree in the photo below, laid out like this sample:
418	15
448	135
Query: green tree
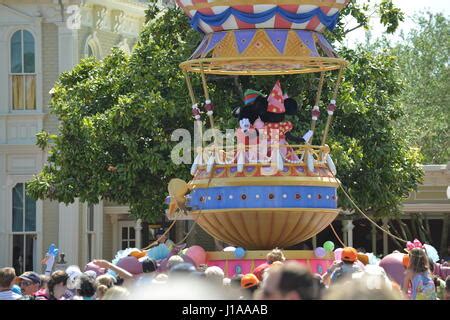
424	67
117	115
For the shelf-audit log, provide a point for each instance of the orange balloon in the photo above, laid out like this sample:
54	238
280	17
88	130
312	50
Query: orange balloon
138	254
364	258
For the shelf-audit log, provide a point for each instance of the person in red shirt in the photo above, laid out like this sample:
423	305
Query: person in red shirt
273	256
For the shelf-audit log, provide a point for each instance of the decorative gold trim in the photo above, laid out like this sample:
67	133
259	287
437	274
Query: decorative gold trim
306	65
261	255
264	180
214	211
232	3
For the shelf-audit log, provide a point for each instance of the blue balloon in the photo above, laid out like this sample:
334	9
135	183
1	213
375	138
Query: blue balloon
431	252
51	248
160	252
239	252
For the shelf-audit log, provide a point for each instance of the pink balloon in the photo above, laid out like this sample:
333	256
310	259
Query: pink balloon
338	254
197	254
91	266
131	264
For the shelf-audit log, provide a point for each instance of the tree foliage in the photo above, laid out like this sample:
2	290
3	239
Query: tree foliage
424	68
117	115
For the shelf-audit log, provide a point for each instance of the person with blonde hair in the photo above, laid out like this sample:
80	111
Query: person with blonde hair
105	280
101	291
116	293
275	256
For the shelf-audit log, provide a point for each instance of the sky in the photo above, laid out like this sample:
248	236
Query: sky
409	8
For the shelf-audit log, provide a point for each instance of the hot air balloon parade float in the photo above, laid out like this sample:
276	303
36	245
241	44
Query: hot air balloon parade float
270	191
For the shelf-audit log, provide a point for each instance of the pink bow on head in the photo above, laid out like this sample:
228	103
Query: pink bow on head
415	244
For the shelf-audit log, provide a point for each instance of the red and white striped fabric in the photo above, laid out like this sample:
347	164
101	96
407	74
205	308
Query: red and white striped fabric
277	22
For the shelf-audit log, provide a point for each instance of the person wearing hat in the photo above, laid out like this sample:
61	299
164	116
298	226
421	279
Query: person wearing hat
29	283
250	283
346	267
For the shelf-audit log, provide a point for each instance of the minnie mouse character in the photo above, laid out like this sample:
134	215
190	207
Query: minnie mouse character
274	117
276	129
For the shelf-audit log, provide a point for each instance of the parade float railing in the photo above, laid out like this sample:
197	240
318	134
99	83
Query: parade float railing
308	156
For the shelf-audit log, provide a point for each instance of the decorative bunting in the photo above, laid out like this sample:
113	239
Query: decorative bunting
278	38
243	39
306	37
200	49
258	18
326	46
215	39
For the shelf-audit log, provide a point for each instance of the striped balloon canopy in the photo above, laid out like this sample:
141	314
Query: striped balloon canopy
219	15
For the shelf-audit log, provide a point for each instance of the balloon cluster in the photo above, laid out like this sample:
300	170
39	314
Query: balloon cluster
321	252
238	252
131	259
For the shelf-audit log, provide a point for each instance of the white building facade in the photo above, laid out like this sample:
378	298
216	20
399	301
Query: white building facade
39	40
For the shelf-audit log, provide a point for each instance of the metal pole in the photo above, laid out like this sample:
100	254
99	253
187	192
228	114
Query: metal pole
316	111
332	102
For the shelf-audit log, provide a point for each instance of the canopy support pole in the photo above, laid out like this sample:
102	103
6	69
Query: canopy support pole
189	85
195	113
332	102
316	111
205	89
209	108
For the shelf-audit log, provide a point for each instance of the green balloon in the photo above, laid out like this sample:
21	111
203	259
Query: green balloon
328	246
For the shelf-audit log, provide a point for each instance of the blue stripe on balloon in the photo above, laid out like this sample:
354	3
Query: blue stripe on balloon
254	18
251	201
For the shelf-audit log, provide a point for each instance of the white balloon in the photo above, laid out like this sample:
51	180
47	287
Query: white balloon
432	252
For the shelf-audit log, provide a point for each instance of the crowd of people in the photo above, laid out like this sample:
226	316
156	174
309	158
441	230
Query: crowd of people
277	279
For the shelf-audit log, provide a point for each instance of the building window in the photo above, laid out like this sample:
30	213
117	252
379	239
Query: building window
23	229
92	47
23	71
90	232
128	237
